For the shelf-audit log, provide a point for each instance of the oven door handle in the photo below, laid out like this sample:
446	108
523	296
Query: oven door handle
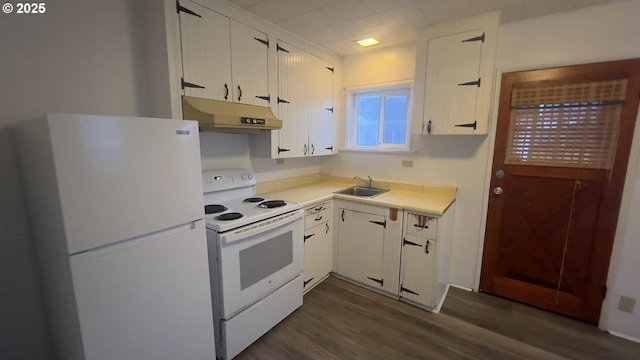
241	234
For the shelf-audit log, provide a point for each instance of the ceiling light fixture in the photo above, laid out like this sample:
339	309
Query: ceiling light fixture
368	42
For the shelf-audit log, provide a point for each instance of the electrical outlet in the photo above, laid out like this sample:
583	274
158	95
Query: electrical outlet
279	161
626	304
407	163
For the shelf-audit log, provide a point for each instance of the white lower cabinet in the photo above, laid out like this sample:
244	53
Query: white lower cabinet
318	236
418	267
367	251
424	263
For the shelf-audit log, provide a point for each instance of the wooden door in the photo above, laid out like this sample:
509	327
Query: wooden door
555	195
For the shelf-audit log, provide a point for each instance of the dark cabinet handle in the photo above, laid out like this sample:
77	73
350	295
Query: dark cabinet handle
318	219
282	150
307	237
313	149
226	91
239	93
318	208
327	229
342	215
419	226
305	149
426	250
330	148
429	127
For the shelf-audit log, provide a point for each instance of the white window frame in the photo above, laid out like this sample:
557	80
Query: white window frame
384	90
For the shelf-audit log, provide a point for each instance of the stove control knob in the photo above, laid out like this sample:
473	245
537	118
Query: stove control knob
244	176
250	176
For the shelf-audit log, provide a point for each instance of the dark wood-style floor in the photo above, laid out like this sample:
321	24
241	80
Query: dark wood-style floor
341	321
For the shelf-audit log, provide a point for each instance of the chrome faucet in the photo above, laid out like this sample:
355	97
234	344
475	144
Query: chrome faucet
369	182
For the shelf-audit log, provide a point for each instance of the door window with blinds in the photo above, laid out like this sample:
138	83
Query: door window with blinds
565	125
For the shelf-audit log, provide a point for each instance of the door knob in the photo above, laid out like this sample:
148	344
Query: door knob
498	190
500	174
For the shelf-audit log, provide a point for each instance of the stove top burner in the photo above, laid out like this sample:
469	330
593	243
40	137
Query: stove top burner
214	209
229	216
253	199
272	204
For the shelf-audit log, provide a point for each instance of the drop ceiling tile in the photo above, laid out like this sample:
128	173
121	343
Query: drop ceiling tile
377	6
346	10
322	3
356	28
307	23
327	34
436	11
278	10
401	15
245	3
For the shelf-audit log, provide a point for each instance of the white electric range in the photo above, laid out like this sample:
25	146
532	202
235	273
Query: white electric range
256	254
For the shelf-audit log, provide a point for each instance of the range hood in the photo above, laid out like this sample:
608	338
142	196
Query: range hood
224	116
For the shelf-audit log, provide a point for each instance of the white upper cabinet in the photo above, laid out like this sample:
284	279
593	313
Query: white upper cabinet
305	104
205	68
249	67
455	75
222	59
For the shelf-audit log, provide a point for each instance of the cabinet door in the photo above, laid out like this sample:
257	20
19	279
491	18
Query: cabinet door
317	254
321	123
293	109
418	275
206	56
249	65
452	83
360	246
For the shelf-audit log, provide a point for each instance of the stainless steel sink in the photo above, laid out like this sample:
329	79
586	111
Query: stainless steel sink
360	191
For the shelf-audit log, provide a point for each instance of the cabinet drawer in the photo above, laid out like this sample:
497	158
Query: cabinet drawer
317	214
422	226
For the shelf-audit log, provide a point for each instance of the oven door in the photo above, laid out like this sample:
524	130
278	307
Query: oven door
257	259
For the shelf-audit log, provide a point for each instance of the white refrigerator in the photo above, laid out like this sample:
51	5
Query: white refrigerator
116	214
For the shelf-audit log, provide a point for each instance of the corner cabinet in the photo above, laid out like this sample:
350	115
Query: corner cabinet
426	251
455	65
305	104
318	244
222	59
368	244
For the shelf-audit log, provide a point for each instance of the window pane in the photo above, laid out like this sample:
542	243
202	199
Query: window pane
395	119
368	120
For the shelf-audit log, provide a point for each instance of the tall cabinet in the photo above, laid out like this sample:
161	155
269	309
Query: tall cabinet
222	59
305	104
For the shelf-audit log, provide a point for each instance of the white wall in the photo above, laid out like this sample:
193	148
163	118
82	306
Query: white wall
588	35
439	160
79	57
607	32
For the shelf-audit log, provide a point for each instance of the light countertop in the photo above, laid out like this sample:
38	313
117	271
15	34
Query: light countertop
432	200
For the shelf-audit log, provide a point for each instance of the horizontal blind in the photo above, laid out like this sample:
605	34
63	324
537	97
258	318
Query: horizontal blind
565	125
